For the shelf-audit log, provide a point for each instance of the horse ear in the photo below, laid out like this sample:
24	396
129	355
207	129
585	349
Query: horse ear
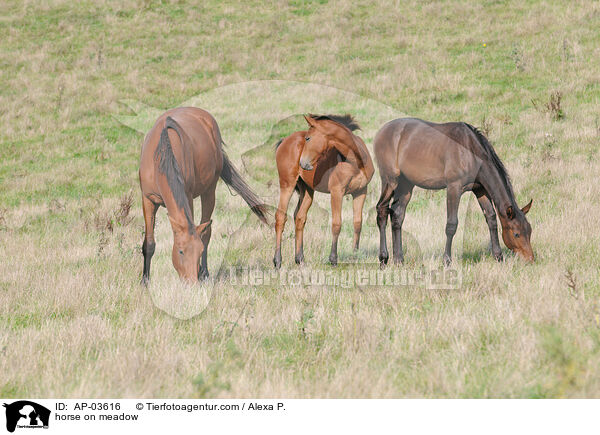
201	229
310	121
510	213
177	227
527	207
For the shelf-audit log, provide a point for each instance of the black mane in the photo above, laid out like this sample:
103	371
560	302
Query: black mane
494	159
346	120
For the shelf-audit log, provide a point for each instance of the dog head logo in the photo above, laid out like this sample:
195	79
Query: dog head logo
26	414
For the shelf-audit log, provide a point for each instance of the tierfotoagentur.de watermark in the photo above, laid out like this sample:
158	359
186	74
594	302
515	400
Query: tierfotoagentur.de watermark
358	276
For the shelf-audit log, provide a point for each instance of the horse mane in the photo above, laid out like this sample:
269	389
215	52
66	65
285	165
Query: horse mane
346	120
493	158
351	124
168	166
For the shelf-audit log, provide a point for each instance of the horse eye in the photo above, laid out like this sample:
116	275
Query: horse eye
307	139
517	235
180	252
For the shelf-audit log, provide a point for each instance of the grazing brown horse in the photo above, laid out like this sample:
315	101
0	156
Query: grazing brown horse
328	158
455	156
182	158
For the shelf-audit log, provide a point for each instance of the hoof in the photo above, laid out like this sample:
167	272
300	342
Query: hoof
333	260
299	259
203	275
383	261
399	261
144	282
447	260
277	263
499	257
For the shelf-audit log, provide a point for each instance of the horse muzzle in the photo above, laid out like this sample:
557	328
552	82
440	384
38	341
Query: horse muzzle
305	164
528	256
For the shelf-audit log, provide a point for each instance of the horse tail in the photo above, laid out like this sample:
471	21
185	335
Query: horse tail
168	166
233	179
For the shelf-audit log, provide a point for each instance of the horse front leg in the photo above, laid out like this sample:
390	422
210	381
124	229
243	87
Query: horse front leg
148	245
304	203
490	217
452	201
208	206
336	223
285	193
358	202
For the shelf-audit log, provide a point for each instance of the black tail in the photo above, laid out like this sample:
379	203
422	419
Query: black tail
168	166
232	178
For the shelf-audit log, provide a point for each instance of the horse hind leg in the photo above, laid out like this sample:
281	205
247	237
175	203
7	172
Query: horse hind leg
402	195
336	223
358	201
285	194
452	201
387	191
148	245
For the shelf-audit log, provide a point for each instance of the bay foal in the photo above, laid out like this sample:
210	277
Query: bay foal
328	158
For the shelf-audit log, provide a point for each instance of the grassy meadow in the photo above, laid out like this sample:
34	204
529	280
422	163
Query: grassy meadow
81	83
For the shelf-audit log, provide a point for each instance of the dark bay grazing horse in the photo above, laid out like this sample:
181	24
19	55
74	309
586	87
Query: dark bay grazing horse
182	158
328	158
455	156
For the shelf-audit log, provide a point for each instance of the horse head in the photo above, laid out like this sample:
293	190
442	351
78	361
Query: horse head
516	231
188	248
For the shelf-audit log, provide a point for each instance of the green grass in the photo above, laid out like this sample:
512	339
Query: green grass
69	283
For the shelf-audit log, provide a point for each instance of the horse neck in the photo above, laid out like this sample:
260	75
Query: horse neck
353	154
501	196
184	216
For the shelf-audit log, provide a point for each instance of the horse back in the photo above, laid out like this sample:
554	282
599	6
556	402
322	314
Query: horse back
428	154
196	147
